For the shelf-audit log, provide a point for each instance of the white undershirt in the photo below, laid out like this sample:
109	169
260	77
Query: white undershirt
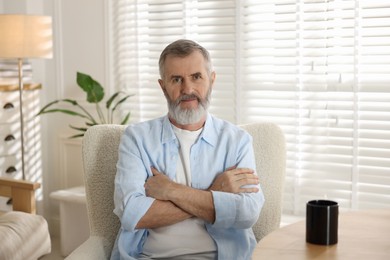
189	236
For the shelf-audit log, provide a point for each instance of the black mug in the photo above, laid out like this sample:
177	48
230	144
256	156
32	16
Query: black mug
322	222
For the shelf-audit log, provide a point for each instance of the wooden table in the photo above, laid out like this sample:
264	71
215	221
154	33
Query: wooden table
361	235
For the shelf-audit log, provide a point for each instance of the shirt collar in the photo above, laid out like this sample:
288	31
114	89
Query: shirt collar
167	134
209	133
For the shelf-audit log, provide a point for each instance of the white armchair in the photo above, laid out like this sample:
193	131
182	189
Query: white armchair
100	154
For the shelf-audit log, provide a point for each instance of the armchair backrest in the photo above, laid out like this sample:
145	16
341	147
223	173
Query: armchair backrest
100	154
270	153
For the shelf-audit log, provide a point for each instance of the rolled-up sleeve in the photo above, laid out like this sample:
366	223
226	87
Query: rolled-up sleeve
239	210
130	200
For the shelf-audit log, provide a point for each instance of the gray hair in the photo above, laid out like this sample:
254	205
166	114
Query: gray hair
183	48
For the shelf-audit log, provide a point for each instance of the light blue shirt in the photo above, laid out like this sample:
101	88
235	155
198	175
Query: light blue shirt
153	144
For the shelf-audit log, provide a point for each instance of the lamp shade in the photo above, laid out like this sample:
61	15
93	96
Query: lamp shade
25	36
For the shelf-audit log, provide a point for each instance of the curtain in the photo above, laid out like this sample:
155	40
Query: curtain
320	69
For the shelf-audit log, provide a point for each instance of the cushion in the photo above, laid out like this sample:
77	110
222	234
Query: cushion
23	236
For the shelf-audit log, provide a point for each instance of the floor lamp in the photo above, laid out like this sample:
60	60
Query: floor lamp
22	37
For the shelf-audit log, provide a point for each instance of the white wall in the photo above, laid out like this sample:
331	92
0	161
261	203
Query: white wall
80	44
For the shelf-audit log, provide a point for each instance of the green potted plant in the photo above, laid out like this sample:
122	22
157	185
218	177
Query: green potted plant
95	94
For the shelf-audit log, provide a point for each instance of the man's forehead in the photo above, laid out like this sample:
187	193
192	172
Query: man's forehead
193	55
190	64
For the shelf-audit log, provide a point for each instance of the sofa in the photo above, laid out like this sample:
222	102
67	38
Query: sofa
23	234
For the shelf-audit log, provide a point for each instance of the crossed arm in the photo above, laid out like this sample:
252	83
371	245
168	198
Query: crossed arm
176	202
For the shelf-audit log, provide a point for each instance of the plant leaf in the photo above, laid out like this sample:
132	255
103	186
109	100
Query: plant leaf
48	105
94	89
111	99
121	101
76	136
124	121
83	129
65	111
91	124
71	101
44	109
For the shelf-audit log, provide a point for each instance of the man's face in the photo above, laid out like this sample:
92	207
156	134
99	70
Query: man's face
187	87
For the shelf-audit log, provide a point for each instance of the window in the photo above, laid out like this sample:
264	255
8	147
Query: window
320	69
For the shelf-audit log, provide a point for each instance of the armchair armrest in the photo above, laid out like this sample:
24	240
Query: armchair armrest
22	193
94	248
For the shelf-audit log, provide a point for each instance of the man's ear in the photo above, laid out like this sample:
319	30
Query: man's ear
161	83
212	78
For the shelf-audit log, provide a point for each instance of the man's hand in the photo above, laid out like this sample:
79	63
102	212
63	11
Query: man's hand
193	202
234	179
158	186
168	213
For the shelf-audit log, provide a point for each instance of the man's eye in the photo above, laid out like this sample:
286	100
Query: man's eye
197	76
176	80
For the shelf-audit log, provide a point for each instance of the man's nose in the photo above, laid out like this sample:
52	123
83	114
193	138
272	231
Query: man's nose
187	87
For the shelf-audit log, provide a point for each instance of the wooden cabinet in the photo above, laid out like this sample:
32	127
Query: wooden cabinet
10	141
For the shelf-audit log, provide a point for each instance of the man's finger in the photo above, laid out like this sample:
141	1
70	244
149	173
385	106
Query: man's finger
154	171
246	176
243	171
243	182
231	168
248	190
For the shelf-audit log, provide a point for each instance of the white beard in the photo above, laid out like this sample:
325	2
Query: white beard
188	116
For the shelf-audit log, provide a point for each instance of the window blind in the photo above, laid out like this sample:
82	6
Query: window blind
143	28
320	69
